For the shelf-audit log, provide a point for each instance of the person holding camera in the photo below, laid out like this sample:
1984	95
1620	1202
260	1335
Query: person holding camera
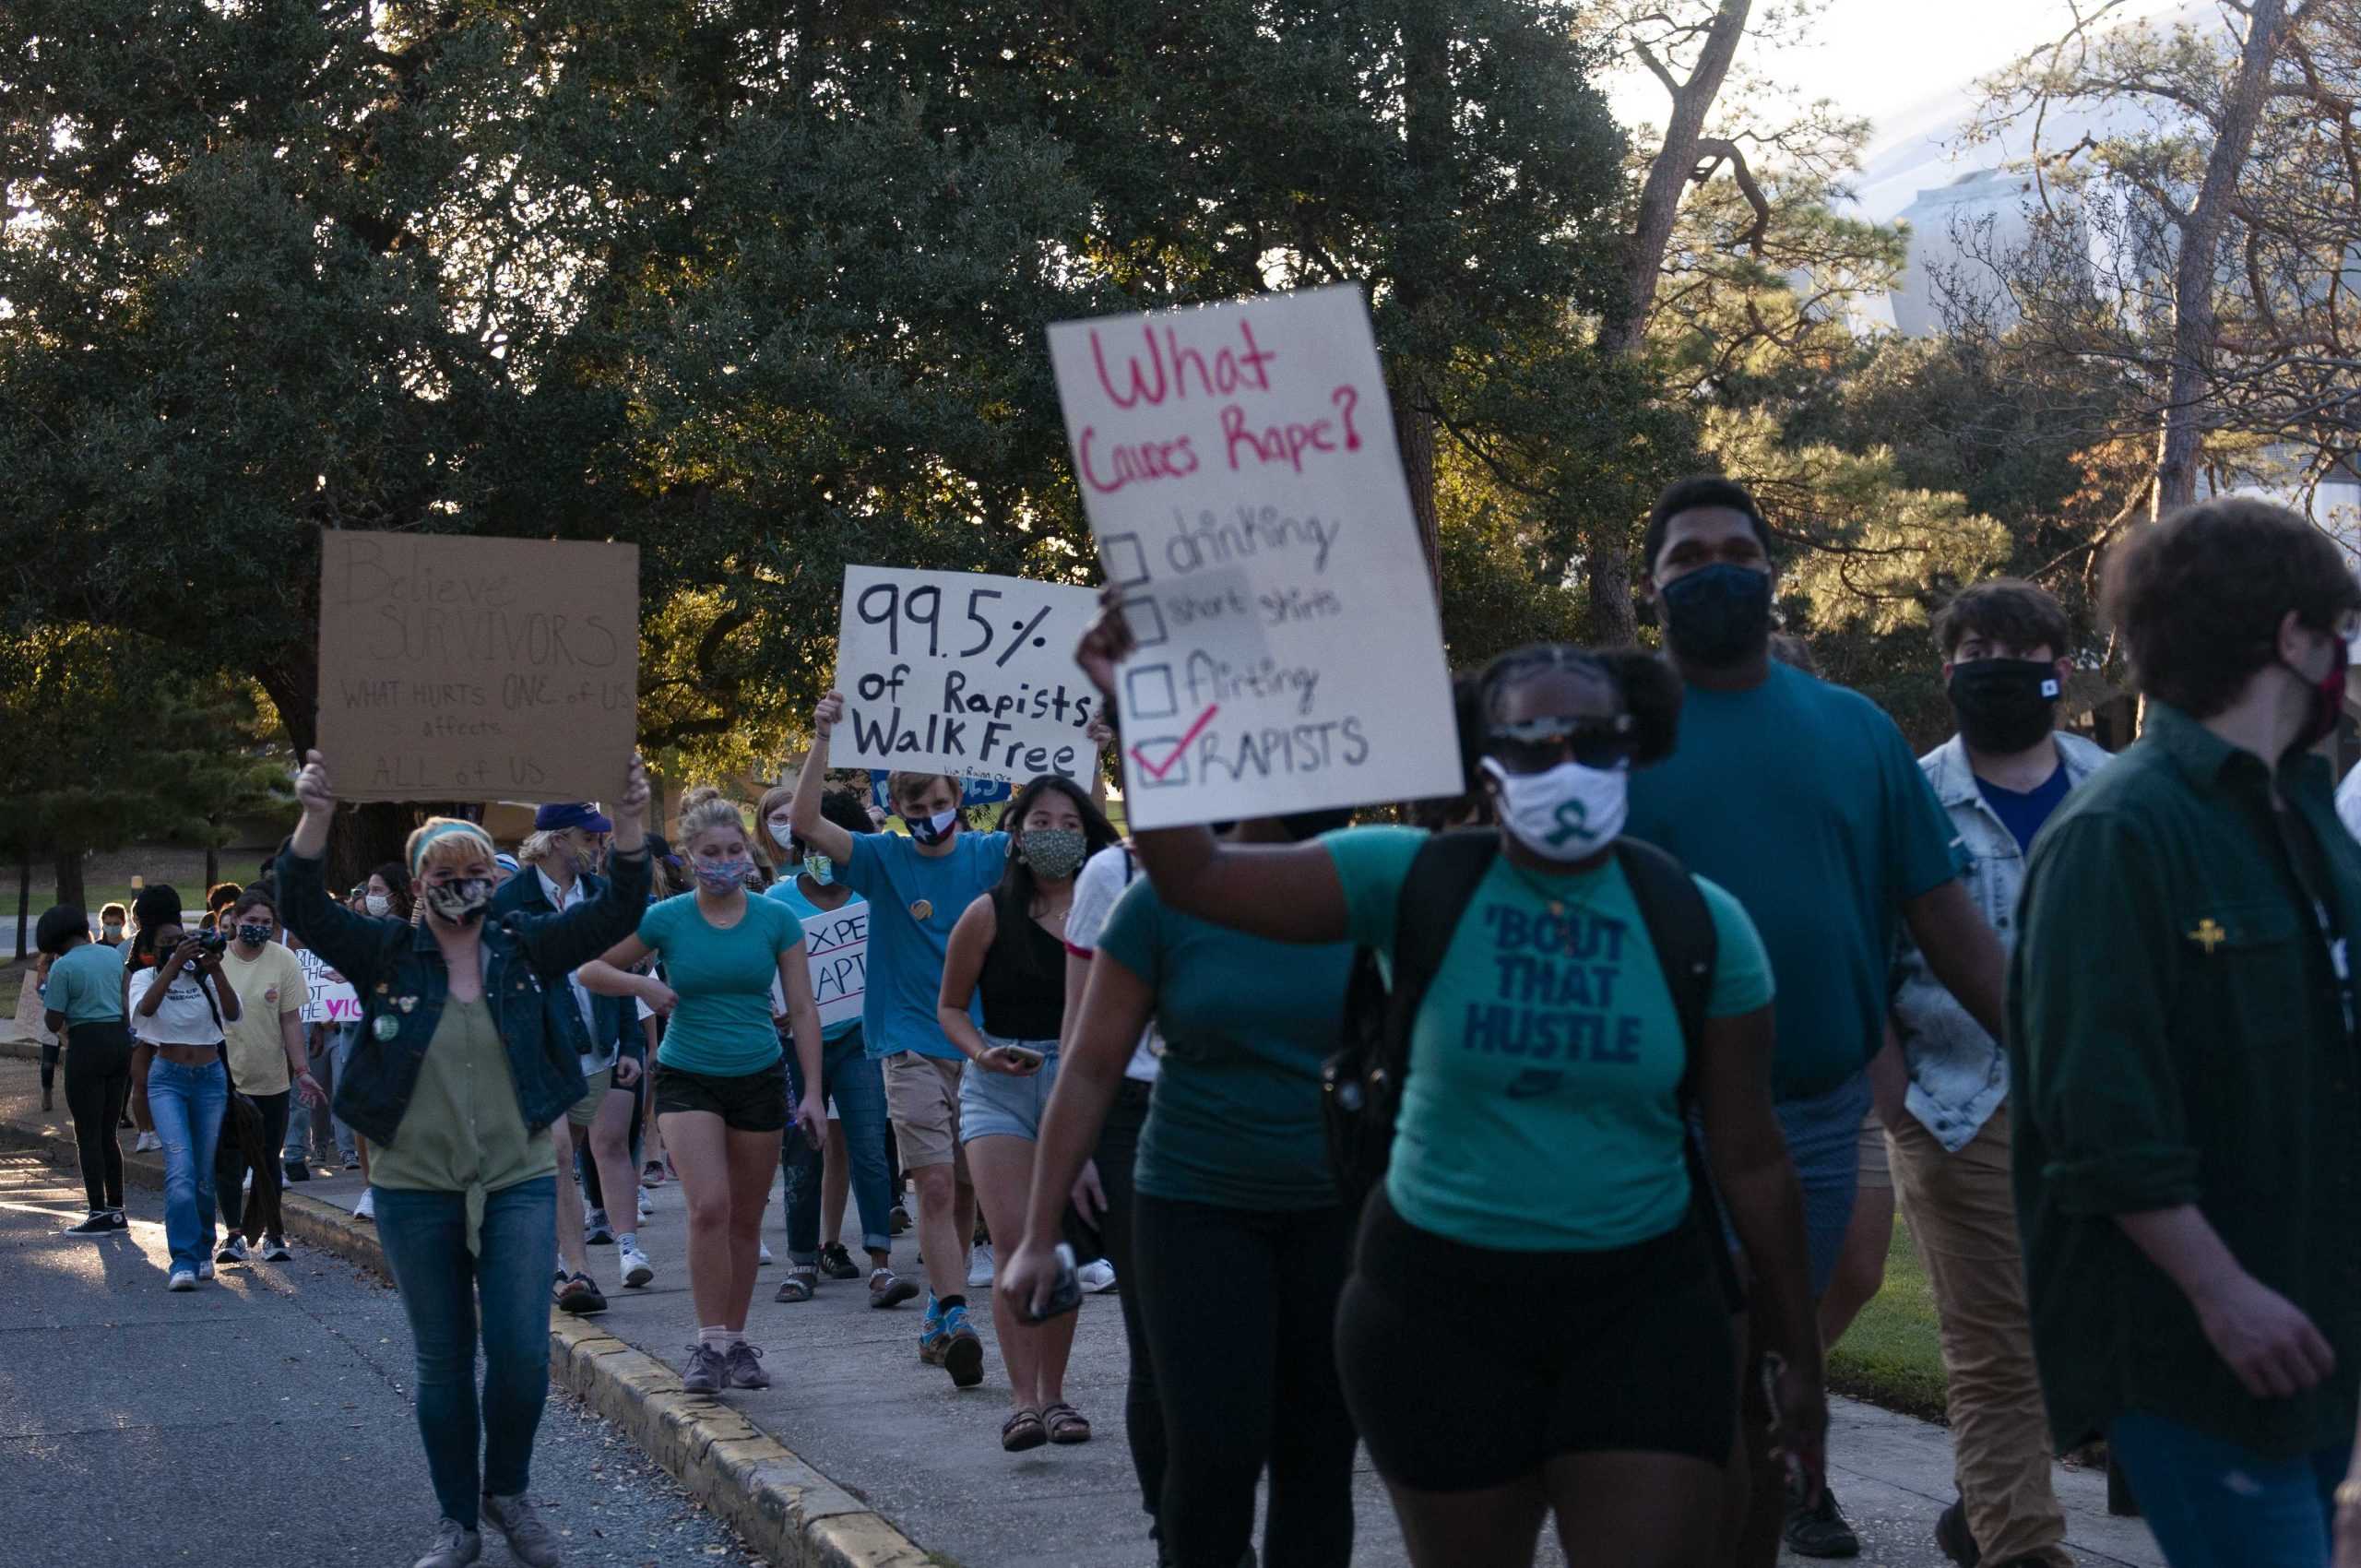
181	1006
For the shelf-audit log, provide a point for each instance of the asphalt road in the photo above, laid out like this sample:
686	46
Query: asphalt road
262	1420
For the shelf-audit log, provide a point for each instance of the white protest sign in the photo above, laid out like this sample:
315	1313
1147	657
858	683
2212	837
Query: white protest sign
961	673
332	998
1239	466
837	944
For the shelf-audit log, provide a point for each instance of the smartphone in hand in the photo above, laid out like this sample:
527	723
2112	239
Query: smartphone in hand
1065	1291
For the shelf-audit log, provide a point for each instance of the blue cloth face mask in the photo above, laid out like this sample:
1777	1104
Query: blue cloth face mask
1718	615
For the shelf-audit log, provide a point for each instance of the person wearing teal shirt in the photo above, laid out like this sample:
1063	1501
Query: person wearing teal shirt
82	1005
1803	801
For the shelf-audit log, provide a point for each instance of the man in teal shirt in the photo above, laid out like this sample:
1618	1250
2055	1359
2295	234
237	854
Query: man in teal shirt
1803	801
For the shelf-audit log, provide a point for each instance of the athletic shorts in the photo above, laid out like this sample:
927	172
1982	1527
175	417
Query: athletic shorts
923	1101
1876	1166
1469	1368
1002	1105
749	1102
583	1111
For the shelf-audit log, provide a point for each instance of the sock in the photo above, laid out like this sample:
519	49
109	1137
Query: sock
718	1338
951	1301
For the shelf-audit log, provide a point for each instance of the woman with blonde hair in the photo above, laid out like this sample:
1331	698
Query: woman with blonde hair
720	1076
456	1076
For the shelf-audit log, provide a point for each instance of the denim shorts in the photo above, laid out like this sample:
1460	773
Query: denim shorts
1824	1141
1002	1105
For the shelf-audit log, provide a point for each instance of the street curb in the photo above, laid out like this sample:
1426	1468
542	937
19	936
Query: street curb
789	1513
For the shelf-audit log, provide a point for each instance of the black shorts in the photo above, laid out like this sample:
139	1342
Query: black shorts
1467	1367
747	1102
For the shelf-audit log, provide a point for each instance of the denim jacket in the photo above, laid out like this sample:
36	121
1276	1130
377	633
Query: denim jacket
618	1018
1959	1074
397	969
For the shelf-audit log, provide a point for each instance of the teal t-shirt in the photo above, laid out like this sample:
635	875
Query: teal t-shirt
723	978
848	970
1803	801
86	985
1542	1113
1247	1025
915	900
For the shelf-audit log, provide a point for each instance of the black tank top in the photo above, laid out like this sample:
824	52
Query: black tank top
1023	982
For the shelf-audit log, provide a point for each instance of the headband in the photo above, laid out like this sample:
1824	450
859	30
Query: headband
427	837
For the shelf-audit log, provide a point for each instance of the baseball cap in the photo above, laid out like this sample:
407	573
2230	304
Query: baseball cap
558	816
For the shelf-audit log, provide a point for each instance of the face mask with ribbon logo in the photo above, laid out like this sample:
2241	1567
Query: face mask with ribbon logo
462	902
1565	814
722	876
933	829
820	868
1055	853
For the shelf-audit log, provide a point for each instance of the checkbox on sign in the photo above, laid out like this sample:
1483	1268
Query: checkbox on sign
1173	749
1124	560
1147	619
1149	692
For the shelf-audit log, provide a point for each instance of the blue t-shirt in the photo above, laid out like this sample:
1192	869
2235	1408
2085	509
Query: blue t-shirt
1802	799
2024	812
86	985
723	978
915	899
841	968
1542	1111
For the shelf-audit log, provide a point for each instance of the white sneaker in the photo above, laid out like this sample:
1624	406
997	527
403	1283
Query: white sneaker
182	1279
646	1206
367	1207
146	1142
203	1271
454	1546
979	1267
1096	1276
637	1270
763	1258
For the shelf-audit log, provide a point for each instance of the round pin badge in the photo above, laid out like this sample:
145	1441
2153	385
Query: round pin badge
921	909
386	1027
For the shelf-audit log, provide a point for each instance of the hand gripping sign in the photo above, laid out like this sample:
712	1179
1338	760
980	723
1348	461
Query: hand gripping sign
1239	467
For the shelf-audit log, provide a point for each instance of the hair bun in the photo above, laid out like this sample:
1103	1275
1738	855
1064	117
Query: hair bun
698	795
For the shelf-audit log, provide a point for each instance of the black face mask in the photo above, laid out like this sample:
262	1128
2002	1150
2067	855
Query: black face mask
2005	705
253	935
1718	615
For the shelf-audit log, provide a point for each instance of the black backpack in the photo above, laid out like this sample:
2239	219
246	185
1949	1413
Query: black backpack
1361	1084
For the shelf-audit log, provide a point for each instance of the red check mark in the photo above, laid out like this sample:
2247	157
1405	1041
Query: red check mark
1181	748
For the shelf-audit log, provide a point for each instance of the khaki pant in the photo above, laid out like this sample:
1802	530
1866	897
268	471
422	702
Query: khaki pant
1962	1215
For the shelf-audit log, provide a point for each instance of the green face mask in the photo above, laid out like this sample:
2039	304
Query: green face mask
820	868
1056	853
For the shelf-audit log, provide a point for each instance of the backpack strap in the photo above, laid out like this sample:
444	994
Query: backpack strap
1441	881
1680	929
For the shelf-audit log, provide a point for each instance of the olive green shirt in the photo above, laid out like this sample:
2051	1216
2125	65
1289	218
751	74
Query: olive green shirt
2180	1033
462	1132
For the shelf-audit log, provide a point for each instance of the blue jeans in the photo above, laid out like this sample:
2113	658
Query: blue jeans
441	1284
2212	1505
858	1084
1825	1144
186	1104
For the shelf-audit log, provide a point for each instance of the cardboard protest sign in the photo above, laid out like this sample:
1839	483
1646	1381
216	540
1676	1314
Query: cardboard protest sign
32	1018
478	669
332	998
837	944
1239	467
961	673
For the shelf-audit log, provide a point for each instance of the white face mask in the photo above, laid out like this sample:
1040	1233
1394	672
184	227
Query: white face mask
378	905
1568	813
782	834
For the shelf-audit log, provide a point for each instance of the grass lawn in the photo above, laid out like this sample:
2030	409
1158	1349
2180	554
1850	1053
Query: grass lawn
1890	1356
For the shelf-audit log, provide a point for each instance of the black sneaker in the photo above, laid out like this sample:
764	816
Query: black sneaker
297	1171
1952	1535
101	1223
232	1250
837	1264
120	1221
1820	1531
899	1221
274	1249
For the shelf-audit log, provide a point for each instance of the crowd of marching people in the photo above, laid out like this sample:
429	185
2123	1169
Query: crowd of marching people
1541	1143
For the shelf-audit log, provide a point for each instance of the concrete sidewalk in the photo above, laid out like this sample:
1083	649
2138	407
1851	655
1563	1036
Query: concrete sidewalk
852	1400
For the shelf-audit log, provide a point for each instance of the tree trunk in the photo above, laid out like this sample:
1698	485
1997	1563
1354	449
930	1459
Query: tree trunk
212	864
70	887
2196	275
1414	432
364	837
24	896
1422	247
1613	618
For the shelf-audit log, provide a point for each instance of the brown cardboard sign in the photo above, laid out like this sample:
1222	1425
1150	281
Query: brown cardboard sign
464	669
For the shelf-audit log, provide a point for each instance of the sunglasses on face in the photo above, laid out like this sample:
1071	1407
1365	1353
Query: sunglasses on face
1537	745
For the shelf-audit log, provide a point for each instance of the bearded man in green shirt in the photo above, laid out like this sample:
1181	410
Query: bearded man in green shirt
2187	1164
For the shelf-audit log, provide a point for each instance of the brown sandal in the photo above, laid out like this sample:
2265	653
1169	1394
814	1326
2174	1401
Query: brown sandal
1065	1423
1022	1429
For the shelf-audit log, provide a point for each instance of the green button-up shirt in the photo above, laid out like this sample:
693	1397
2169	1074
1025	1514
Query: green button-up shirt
2178	1035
